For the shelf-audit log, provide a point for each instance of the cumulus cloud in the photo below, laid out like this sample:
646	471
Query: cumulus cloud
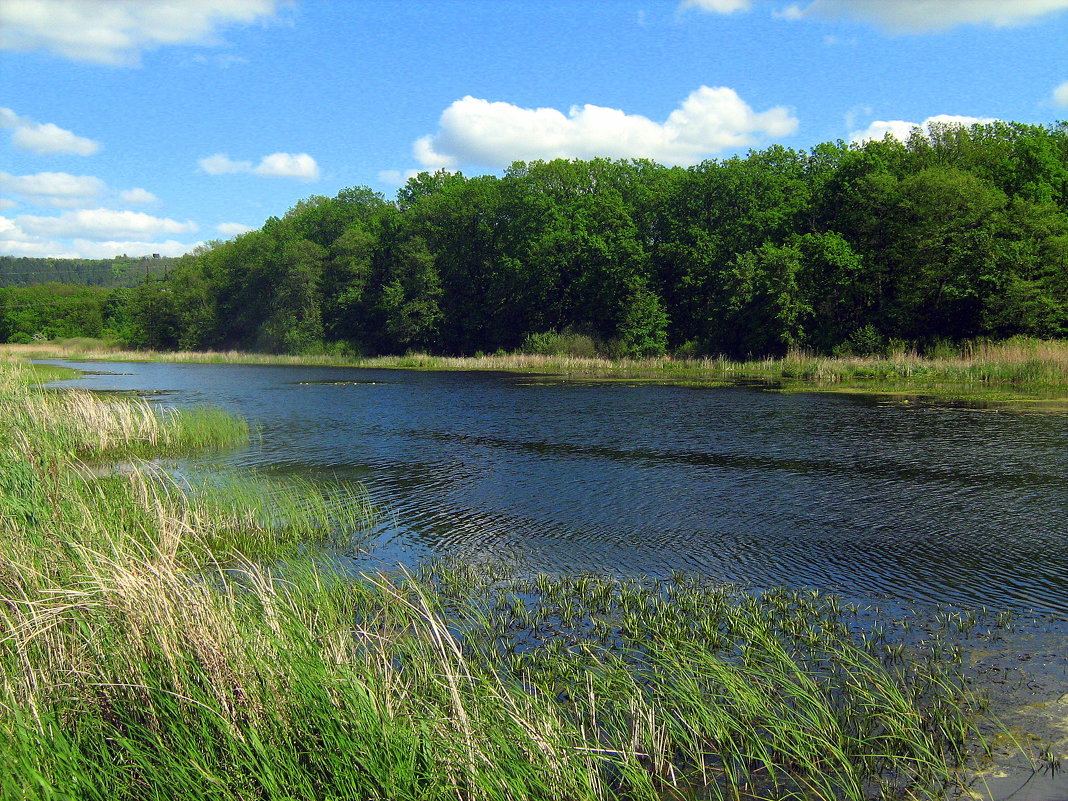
719	6
494	134
901	129
277	165
44	138
139	196
53	188
116	32
102	224
1060	95
924	16
288	165
232	229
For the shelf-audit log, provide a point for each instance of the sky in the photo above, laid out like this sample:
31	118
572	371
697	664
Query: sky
151	126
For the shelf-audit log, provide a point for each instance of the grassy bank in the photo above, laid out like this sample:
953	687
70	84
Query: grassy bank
1018	370
159	641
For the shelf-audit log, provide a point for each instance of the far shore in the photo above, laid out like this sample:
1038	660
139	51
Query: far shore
1028	372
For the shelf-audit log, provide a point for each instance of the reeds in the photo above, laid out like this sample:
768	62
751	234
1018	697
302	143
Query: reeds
164	641
1015	367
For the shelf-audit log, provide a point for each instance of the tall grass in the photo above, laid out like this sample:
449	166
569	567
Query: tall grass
159	641
1018	365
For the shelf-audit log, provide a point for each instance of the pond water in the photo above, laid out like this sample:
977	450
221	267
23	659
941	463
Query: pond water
871	497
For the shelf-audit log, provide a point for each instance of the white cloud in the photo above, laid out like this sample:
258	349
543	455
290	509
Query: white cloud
232	229
88	249
277	165
7	203
25	236
116	32
719	6
221	164
138	195
44	138
710	120
923	16
10	231
14	247
1060	95
102	224
54	188
288	165
16	242
902	129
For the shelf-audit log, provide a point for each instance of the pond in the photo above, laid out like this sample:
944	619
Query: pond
874	498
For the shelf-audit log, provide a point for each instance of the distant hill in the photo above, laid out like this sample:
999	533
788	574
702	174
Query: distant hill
116	272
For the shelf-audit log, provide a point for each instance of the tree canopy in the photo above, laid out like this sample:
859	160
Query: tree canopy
957	234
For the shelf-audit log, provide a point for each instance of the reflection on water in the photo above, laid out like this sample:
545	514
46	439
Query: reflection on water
839	492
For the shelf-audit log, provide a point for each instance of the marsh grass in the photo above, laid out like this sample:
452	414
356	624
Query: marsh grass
160	640
1019	368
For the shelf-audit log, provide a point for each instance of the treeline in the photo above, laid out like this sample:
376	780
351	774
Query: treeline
119	271
956	235
61	311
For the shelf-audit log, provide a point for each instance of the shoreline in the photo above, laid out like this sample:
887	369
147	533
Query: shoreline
1031	374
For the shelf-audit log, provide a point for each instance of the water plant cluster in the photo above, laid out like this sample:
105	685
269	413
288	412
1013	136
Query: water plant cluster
161	640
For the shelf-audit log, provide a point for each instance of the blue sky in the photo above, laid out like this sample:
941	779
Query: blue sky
153	125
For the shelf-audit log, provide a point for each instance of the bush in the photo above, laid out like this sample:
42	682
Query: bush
561	343
867	341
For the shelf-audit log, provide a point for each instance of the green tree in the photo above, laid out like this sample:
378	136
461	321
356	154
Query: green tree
642	331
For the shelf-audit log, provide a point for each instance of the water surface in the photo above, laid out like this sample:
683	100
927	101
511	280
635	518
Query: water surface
870	497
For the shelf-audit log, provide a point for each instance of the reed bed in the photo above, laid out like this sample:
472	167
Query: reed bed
1019	366
165	641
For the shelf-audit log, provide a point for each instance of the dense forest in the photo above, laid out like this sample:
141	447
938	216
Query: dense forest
959	234
119	271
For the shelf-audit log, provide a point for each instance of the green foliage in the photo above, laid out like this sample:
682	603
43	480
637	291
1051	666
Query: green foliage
561	343
951	236
54	311
643	329
121	271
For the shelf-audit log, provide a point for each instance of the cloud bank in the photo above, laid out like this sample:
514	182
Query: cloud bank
277	165
901	129
45	139
116	32
494	134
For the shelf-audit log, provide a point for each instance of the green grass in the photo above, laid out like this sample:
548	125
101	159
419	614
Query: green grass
165	641
1019	370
